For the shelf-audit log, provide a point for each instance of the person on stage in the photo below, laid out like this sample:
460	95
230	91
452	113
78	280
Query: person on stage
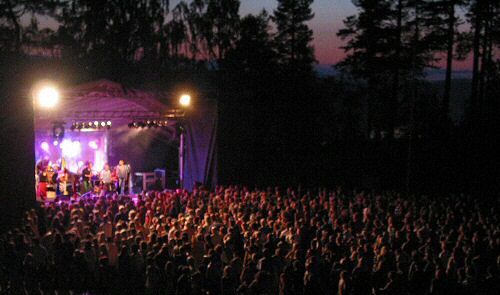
122	171
87	178
106	178
42	183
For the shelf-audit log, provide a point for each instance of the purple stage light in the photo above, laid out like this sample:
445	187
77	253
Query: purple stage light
93	145
45	146
55	143
71	149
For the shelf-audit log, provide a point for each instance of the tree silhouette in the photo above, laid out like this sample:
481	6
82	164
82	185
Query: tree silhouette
253	52
370	38
389	44
294	37
484	17
11	27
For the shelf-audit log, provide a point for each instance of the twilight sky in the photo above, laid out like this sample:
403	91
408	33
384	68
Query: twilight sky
327	21
329	15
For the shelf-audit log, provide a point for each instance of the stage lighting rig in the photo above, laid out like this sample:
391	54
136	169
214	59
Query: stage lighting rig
91	126
148	124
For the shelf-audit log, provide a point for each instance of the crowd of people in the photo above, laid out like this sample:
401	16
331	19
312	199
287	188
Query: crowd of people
232	240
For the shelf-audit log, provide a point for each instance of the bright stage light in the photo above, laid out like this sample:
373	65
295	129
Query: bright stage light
47	96
70	149
55	143
93	145
45	146
185	100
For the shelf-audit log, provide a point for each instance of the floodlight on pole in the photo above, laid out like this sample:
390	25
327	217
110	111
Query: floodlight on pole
185	100
47	96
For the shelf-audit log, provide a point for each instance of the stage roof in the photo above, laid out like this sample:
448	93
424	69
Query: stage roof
105	100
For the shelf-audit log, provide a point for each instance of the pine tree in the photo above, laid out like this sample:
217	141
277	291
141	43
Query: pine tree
484	17
389	44
253	52
370	39
294	37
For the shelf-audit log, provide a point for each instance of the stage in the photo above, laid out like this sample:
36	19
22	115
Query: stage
103	122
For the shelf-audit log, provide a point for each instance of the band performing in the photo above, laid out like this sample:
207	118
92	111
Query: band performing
53	181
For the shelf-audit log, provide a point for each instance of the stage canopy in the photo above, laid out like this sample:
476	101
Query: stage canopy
104	121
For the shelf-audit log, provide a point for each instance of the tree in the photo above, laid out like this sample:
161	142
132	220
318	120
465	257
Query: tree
253	52
210	27
113	31
294	37
222	18
11	27
389	44
370	39
484	17
442	22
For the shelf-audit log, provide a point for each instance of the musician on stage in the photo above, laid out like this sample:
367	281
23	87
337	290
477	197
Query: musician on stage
87	178
106	178
42	183
122	172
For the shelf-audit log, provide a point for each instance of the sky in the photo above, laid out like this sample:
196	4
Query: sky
328	19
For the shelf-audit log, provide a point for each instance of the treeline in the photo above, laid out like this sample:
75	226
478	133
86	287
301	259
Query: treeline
274	109
391	42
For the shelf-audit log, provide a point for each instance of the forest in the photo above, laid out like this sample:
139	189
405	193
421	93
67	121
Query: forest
378	123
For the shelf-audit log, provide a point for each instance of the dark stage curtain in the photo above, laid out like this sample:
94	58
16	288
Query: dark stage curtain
201	150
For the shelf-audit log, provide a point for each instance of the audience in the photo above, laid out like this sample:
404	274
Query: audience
238	241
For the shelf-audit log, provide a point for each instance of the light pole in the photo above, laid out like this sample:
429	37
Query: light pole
181	158
184	101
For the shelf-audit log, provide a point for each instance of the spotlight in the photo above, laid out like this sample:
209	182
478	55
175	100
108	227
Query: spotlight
96	123
70	149
103	123
185	100
47	96
45	146
93	145
108	123
55	143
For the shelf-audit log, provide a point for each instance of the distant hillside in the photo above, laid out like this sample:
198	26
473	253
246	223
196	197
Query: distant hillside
326	70
460	87
460	91
431	74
